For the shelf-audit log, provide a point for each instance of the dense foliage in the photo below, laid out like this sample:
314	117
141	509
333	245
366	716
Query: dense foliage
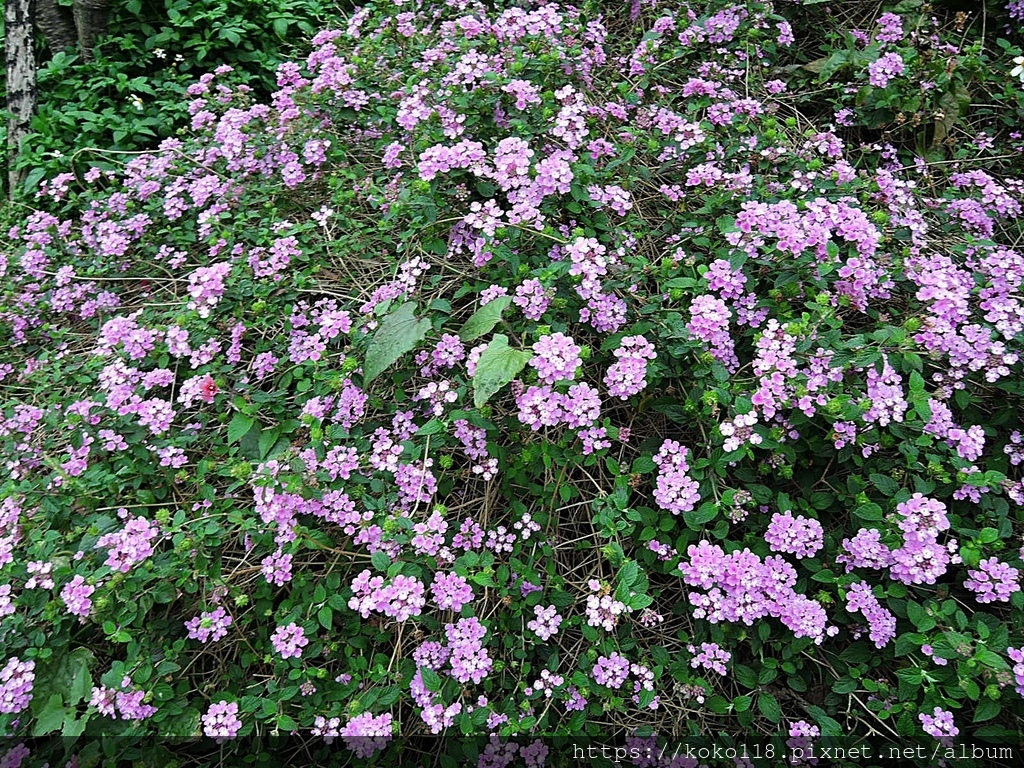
132	93
516	377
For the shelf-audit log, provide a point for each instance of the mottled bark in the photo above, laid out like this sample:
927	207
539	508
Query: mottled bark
56	25
91	23
21	80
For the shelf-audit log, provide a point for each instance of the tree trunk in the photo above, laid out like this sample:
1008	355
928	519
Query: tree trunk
21	80
91	23
56	24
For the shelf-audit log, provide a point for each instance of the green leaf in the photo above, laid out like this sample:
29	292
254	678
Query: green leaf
829	726
987	709
380	561
498	365
705	513
81	682
51	716
326	617
484	319
432	427
919	617
74	728
628	573
267	440
431	679
886	485
239	427
399	332
643	464
769	707
869	511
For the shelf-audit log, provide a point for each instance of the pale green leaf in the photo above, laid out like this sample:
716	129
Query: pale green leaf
498	365
484	319
399	332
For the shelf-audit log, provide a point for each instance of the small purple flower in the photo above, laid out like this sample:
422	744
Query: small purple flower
221	721
289	641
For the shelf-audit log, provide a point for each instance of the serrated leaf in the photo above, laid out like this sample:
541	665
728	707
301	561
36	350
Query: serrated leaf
484	319
81	682
51	716
919	617
325	616
432	427
986	710
828	725
643	465
74	728
499	364
399	332
431	679
885	484
628	573
705	513
380	561
239	427
769	707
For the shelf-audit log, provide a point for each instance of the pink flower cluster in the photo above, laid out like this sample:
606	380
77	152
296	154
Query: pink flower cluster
451	591
289	641
546	622
469	658
881	621
603	610
401	599
16	681
939	724
131	545
76	596
126	701
993	581
800	536
676	491
206	286
209	625
611	671
709	656
709	323
556	357
922	559
221	722
367	734
739	586
542	406
627	375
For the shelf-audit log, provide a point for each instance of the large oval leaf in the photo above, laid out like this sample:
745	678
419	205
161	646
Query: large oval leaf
484	319
498	365
399	332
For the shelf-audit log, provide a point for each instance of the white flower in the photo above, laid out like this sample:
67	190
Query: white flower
160	53
136	102
1018	71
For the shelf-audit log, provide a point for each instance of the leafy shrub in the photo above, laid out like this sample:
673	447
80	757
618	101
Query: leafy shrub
517	377
133	92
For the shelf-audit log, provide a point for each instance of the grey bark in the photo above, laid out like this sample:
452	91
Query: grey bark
91	23
56	25
21	80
